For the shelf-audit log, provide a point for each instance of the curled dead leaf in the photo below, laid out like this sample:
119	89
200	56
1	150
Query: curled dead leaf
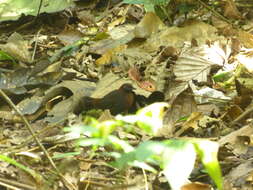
134	74
146	85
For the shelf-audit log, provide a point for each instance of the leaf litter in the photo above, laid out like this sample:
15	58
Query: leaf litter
95	55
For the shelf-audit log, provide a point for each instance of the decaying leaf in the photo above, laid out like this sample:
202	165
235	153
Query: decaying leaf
230	10
149	24
17	47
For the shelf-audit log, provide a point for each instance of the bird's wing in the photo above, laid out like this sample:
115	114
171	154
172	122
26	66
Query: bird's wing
113	101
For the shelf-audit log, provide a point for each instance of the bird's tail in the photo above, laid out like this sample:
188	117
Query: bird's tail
89	103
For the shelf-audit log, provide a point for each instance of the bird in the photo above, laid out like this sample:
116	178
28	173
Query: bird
142	101
117	101
156	96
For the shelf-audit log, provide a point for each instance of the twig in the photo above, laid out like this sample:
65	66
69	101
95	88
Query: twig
33	20
9	186
27	124
215	12
41	1
108	187
240	117
145	179
35	44
15	184
28	139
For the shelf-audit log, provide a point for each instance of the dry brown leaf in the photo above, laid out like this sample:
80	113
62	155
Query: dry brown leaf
182	105
86	18
196	186
146	85
246	39
192	122
69	35
148	25
231	138
134	74
107	57
196	63
177	36
224	28
234	112
18	48
135	12
238	175
117	22
230	10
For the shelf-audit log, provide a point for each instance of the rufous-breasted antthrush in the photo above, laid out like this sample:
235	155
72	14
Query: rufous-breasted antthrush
122	100
117	101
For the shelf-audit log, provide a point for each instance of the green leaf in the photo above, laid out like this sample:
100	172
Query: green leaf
150	118
13	9
208	150
136	1
143	166
9	160
4	56
149	5
160	12
67	50
92	142
120	144
147	2
145	152
107	127
65	155
185	8
161	2
129	158
178	162
223	76
124	159
152	115
150	149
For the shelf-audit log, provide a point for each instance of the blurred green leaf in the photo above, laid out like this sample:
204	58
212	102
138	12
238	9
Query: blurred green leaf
178	162
13	9
153	2
120	144
67	50
129	159
170	155
4	56
222	77
65	155
149	5
107	127
124	159
208	150
150	149
92	142
9	160
185	7
150	118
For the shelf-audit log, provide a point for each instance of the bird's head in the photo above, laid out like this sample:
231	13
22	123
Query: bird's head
127	87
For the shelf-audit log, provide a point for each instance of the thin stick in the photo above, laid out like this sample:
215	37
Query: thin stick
240	117
35	44
9	186
16	184
145	179
215	12
27	124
